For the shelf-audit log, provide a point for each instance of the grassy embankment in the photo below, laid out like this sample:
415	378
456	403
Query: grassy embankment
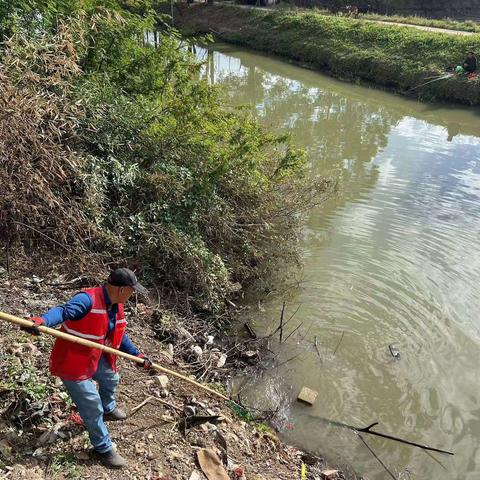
446	23
394	57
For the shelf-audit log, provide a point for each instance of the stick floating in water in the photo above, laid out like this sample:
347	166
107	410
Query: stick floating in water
369	430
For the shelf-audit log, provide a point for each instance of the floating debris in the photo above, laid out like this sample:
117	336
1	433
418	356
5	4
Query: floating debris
394	352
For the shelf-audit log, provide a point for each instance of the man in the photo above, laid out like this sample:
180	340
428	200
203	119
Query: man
95	314
470	63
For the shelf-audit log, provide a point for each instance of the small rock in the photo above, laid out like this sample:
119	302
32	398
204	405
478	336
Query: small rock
221	361
329	474
46	438
310	459
196	350
210	339
162	380
30	349
175	455
307	395
199	442
82	456
195	475
208	427
139	448
170	349
151	456
14	349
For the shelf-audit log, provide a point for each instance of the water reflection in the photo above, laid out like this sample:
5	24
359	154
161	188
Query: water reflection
393	258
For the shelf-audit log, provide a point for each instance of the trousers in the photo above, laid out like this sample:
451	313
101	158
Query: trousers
92	404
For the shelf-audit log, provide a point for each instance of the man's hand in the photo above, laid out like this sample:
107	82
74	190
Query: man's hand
33	330
147	364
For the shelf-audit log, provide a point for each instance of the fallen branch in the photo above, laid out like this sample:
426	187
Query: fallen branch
335	351
140	405
318	350
281	321
369	430
377	457
293	331
174	407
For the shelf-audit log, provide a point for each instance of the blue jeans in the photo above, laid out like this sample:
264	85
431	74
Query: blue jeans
92	405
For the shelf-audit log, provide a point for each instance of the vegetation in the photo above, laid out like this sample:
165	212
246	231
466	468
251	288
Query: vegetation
446	23
62	466
394	57
115	151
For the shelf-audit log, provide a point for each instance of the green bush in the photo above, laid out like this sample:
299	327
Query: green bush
154	171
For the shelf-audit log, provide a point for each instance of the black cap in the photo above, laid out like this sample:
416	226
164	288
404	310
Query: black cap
124	277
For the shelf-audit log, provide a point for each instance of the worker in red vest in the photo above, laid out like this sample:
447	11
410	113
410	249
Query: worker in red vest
95	314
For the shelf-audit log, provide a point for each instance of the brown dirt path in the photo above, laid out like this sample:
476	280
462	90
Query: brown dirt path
422	27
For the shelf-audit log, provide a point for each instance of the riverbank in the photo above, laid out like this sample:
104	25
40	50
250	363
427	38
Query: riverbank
42	437
392	57
127	159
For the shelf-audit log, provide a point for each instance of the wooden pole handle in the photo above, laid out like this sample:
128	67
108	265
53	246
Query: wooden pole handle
88	343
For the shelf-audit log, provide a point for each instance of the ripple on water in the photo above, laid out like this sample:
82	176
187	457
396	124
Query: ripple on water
393	258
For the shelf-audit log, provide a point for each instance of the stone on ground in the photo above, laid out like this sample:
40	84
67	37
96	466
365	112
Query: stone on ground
307	395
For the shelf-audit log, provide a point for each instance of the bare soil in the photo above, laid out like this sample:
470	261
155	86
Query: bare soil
152	439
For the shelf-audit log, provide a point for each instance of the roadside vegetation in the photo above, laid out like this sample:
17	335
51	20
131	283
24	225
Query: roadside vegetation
394	57
115	151
446	23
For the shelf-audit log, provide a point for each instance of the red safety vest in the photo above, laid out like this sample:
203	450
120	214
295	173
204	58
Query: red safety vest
71	361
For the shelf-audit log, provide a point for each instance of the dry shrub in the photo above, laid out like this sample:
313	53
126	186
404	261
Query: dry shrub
40	190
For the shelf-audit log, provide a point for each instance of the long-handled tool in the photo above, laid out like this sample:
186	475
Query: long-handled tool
437	79
72	338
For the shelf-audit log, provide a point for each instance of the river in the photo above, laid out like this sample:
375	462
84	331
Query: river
392	258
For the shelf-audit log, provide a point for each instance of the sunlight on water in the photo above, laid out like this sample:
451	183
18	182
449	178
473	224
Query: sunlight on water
394	258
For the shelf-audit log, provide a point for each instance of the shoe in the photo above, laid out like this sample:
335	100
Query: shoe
110	459
116	414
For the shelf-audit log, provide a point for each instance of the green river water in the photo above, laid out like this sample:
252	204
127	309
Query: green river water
393	258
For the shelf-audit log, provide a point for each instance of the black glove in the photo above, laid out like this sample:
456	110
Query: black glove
33	330
147	364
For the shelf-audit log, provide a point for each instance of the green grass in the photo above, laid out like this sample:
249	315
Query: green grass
390	56
62	466
446	23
